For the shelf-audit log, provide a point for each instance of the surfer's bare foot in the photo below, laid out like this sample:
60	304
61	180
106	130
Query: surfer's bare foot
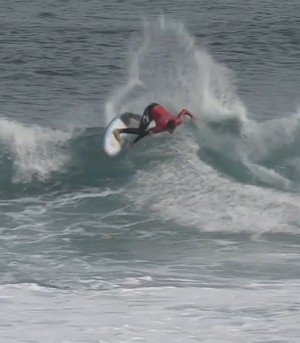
116	134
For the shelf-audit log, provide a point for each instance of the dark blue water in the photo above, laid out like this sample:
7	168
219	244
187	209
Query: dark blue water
193	237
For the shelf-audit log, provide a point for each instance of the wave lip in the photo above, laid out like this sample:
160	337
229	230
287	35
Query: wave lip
31	152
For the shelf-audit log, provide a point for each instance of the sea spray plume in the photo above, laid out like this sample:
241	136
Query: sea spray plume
114	106
177	73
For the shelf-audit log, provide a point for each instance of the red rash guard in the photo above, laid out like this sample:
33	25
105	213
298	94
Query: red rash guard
161	117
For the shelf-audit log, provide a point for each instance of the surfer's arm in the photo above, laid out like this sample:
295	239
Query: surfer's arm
184	113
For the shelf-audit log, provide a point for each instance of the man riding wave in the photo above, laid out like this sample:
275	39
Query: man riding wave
164	121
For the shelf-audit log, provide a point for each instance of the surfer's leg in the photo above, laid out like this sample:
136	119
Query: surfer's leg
144	123
130	130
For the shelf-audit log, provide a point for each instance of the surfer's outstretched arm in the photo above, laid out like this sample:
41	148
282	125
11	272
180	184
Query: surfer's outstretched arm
184	113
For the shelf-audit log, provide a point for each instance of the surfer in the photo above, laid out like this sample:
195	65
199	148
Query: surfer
164	121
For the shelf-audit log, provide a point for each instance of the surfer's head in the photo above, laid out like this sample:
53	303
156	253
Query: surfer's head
171	126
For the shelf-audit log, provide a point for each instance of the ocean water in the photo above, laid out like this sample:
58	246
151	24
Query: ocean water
188	238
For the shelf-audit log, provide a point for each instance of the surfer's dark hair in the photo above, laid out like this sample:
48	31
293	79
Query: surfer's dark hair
171	125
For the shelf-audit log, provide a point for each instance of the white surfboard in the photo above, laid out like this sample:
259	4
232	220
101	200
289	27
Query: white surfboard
110	145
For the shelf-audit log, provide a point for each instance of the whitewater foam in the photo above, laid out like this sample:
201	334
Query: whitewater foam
35	152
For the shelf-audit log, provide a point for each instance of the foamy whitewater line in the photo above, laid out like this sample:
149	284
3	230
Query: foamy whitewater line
173	314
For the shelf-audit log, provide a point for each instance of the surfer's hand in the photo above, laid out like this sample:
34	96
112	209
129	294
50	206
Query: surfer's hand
188	113
193	118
